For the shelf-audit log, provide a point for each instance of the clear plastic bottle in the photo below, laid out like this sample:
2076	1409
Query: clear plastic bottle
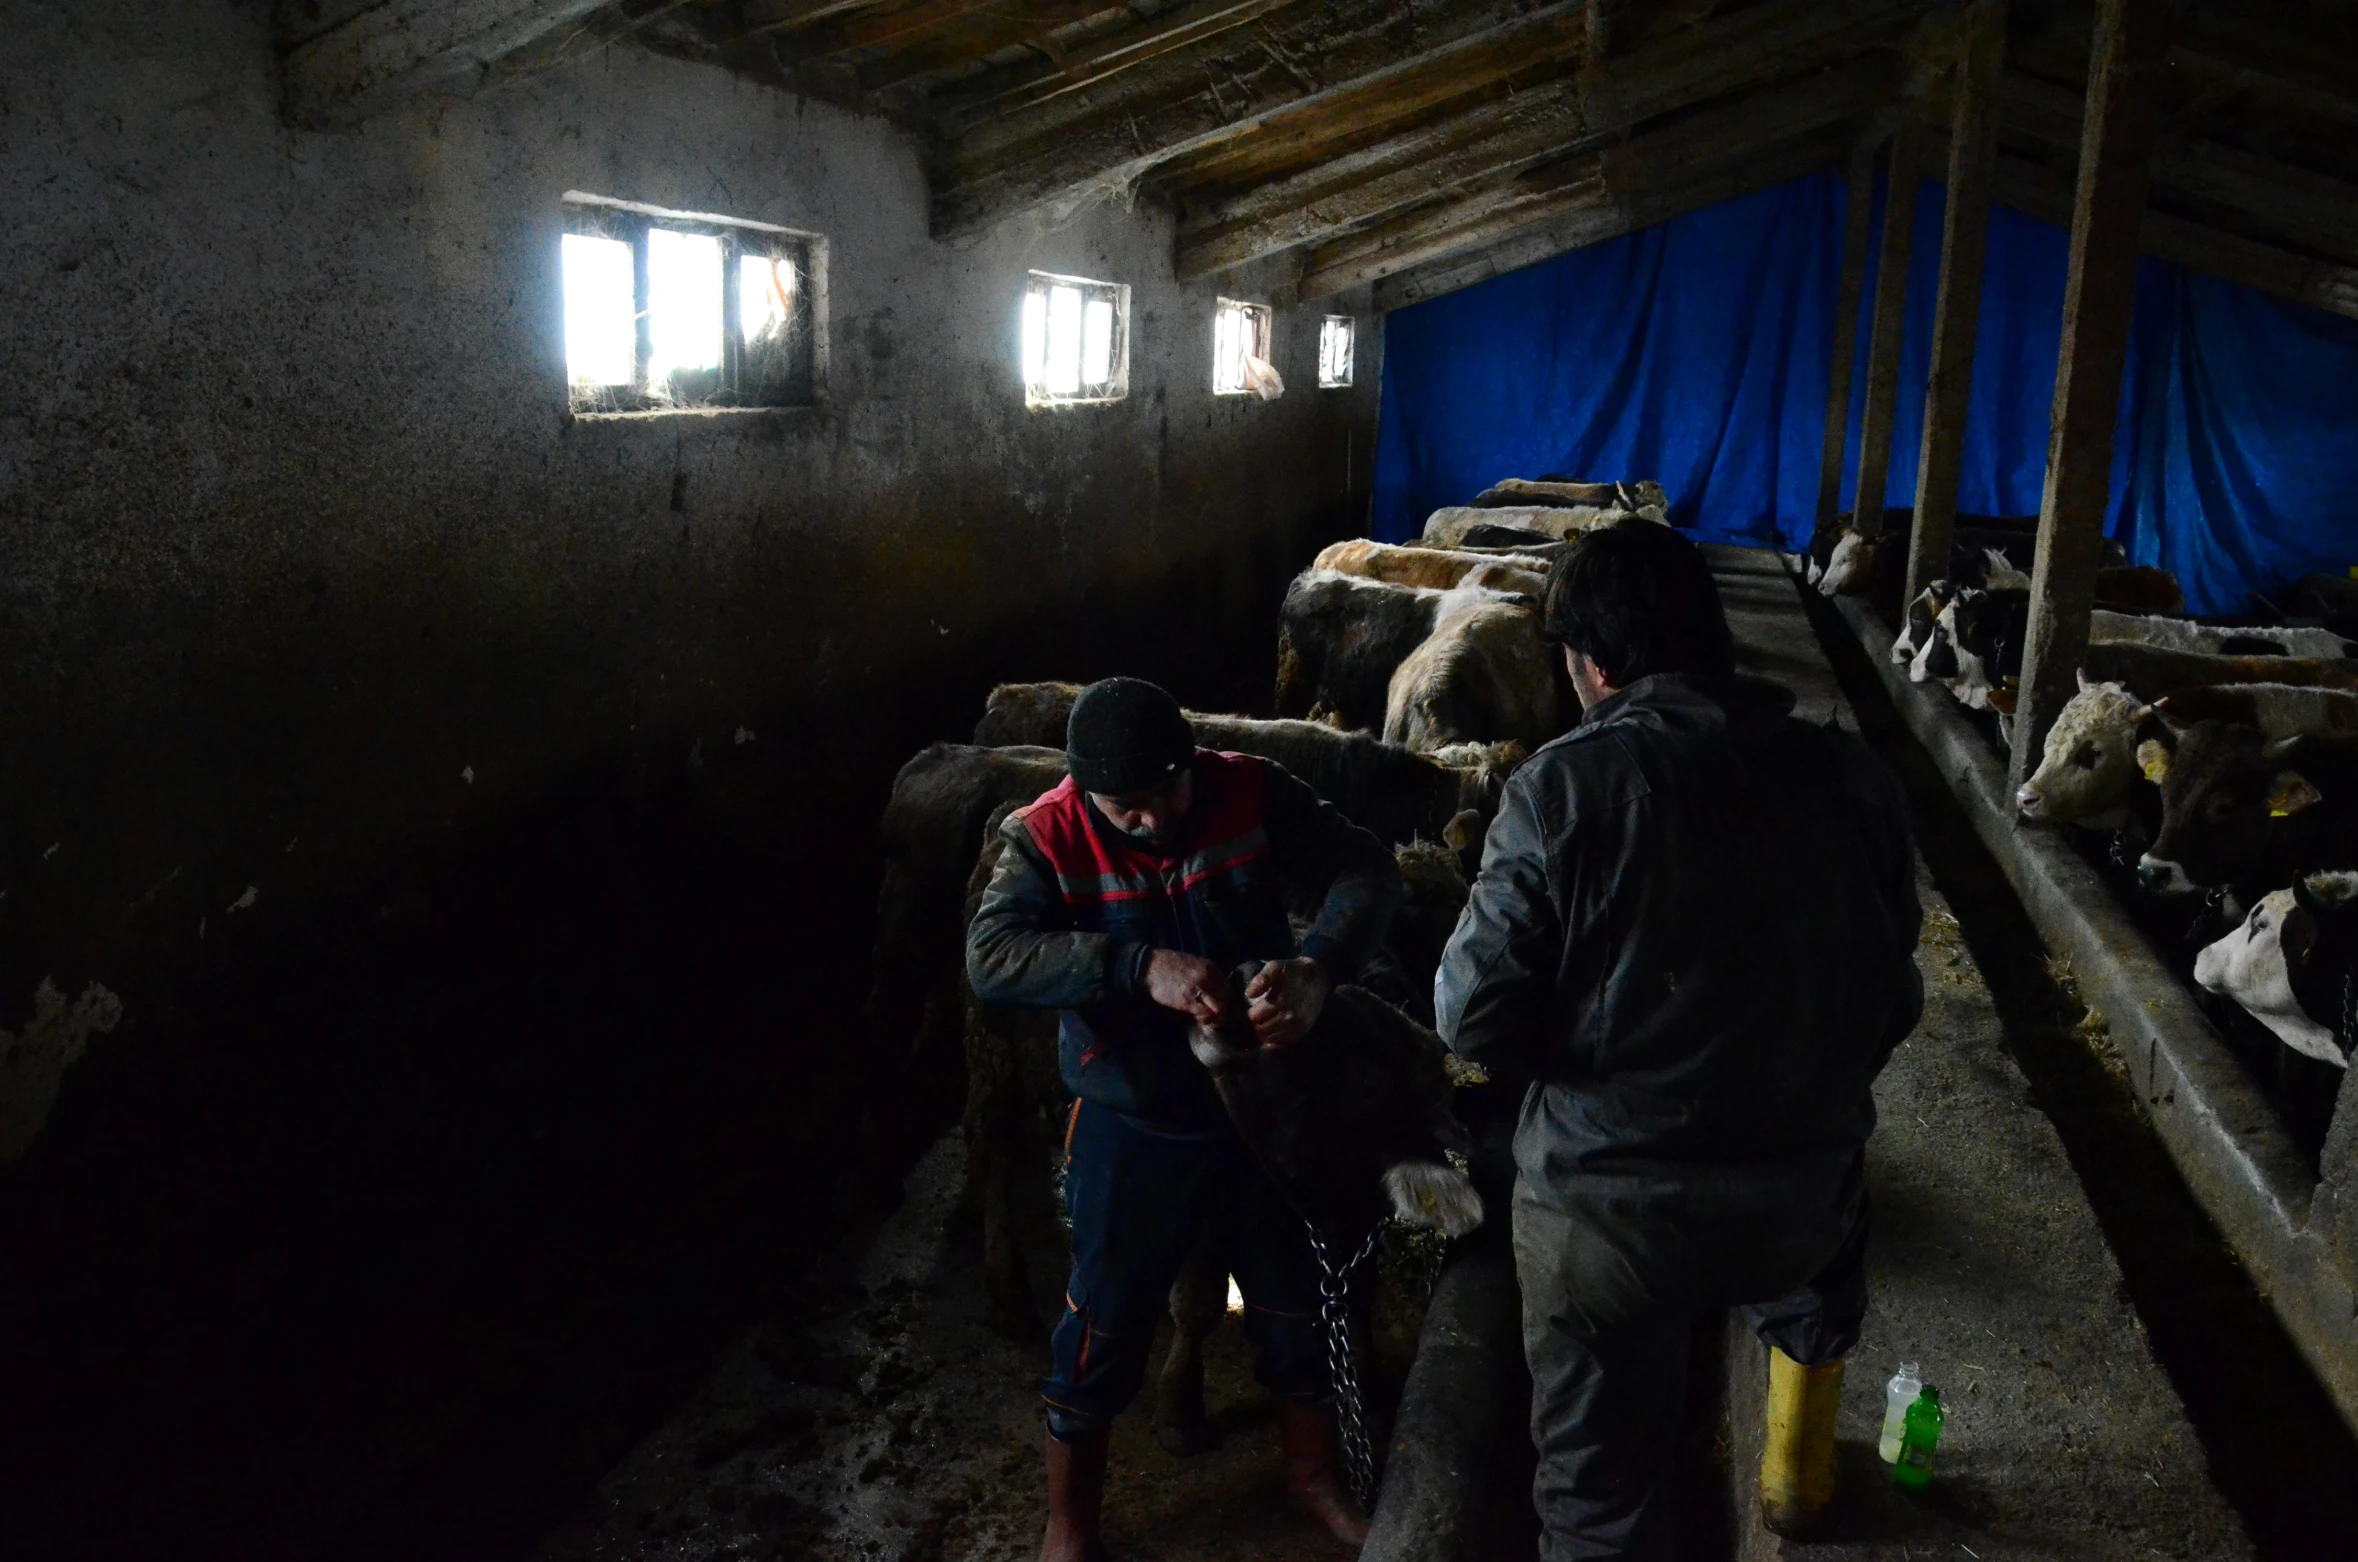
1922	1435
1898	1395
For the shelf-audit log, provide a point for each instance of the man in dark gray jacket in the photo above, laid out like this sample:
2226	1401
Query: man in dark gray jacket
1691	946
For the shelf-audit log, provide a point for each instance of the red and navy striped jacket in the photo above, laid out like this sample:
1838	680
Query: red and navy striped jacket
1075	907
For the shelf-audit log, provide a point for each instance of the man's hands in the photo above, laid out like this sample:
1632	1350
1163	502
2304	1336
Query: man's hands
1286	999
1192	985
1283	1001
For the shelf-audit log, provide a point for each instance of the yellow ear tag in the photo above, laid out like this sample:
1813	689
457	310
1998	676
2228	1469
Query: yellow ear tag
2292	793
2154	760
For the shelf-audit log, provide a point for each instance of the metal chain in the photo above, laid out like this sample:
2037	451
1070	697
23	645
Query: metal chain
1334	1319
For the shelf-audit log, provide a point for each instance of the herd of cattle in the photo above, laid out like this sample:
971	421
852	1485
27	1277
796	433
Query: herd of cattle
2221	758
1411	681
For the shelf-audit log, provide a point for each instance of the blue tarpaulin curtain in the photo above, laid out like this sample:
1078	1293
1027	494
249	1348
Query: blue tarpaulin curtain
1695	353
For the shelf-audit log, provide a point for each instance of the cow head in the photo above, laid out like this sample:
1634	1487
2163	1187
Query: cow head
2227	795
1482	770
1851	569
1919	623
1984	630
2289	964
2089	767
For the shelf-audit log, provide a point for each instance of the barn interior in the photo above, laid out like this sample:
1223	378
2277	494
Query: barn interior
496	492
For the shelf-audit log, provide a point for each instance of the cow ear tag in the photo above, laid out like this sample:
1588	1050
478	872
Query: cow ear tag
2154	759
2290	794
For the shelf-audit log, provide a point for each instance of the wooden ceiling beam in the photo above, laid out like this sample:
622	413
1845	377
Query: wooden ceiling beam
1610	217
1621	177
1558	117
1196	97
2312	210
960	106
1354	57
394	52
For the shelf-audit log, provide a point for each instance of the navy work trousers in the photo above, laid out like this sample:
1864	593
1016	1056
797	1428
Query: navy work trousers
1615	1269
1138	1194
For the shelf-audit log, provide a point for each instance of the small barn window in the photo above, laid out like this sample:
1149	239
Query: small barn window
1076	341
1334	352
1240	348
670	310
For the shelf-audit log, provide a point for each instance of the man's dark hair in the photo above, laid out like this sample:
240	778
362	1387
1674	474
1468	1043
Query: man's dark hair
1637	599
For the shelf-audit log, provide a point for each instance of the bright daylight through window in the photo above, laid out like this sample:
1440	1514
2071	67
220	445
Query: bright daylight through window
1334	352
1240	352
1076	341
667	310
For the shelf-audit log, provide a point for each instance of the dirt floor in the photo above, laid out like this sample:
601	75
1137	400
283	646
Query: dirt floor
878	1416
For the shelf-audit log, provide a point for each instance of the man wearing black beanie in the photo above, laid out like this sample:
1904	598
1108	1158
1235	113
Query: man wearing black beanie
1125	897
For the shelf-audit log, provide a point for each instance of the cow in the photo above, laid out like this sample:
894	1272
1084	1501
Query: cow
940	806
1447	526
1566	493
1340	637
1989	652
1440	568
2183	634
2293	965
1446	794
2241	809
1920	623
1484	675
1508	539
2088	773
2280	710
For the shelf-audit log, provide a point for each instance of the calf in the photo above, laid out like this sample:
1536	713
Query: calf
1339	638
1440	568
1513	539
1484	675
2293	965
1398	794
1920	623
1352	1122
2240	808
1977	645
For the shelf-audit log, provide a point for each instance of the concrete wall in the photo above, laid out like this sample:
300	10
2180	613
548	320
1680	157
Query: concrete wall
327	633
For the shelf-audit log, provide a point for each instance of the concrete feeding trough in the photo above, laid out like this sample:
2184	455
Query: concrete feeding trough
2297	1232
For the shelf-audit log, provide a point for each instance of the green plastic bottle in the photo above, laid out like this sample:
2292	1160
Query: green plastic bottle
1918	1437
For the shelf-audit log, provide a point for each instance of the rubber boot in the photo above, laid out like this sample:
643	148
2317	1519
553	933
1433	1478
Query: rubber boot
1797	1461
1314	1470
1076	1498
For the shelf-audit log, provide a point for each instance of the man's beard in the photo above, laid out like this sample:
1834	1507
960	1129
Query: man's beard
1149	838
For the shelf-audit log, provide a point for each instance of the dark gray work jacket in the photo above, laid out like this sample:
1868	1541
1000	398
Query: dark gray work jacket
1692	938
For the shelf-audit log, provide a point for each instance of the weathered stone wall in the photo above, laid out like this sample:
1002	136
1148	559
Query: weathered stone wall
361	706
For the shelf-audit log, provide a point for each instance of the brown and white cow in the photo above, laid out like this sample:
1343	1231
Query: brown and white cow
1442	569
1339	639
1485	675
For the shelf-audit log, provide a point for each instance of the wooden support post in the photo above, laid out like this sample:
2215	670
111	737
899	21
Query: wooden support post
2099	291
1973	152
1857	222
1890	324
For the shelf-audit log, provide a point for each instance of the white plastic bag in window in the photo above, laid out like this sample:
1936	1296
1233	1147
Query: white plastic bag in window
1261	378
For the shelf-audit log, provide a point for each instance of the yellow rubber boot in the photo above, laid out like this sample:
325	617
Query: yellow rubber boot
1797	1463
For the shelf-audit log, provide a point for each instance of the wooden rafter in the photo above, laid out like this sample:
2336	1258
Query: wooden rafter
1086	63
1498	137
1618	178
393	52
1611	216
1199	96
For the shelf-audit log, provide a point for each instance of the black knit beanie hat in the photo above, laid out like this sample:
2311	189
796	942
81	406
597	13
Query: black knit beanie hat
1126	735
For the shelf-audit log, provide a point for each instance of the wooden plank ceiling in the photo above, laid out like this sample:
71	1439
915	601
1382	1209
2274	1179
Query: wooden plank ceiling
1421	145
